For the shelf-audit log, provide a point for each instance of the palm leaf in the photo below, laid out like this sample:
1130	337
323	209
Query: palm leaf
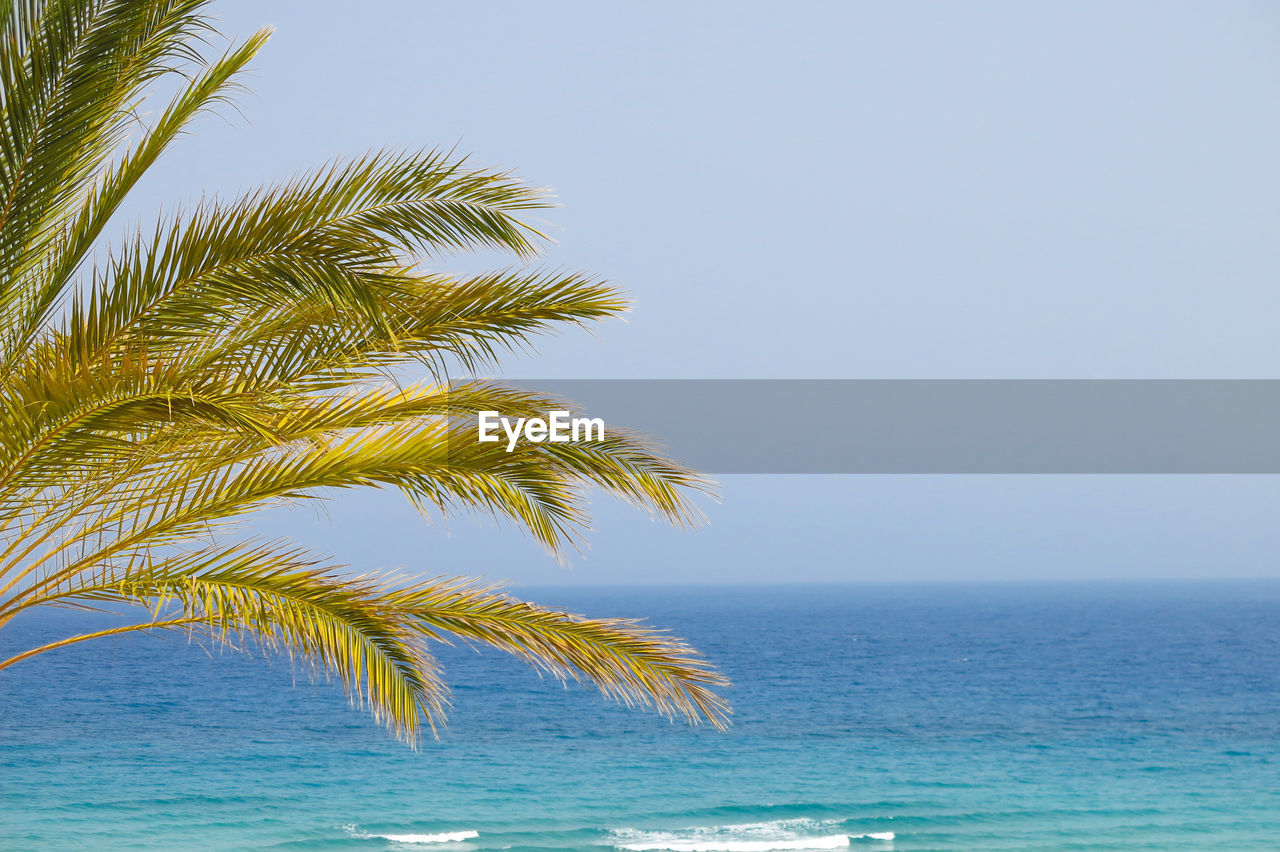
253	351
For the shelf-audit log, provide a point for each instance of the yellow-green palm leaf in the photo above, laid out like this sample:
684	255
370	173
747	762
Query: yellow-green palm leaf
251	351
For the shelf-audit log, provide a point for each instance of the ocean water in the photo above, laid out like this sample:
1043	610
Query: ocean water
871	717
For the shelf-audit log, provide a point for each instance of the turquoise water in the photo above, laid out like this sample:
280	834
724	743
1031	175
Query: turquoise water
868	717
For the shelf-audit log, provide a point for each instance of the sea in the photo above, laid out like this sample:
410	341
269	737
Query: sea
1072	716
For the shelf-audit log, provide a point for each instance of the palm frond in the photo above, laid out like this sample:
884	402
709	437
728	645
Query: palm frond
72	74
253	351
628	661
68	247
281	599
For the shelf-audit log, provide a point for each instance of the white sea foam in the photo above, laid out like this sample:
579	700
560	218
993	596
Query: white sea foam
834	841
776	836
441	837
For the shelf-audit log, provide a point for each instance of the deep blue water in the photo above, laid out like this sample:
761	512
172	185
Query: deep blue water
952	716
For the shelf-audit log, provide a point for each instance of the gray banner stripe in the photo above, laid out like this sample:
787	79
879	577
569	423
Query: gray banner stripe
941	426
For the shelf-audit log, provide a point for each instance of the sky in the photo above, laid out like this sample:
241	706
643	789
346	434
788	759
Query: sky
831	190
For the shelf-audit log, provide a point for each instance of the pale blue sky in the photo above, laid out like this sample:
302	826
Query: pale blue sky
837	190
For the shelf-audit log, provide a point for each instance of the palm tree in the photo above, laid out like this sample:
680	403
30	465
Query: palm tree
244	352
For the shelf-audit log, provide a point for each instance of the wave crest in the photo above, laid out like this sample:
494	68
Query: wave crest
789	834
439	837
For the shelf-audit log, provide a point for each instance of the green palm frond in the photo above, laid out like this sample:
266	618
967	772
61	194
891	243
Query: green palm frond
626	660
252	351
